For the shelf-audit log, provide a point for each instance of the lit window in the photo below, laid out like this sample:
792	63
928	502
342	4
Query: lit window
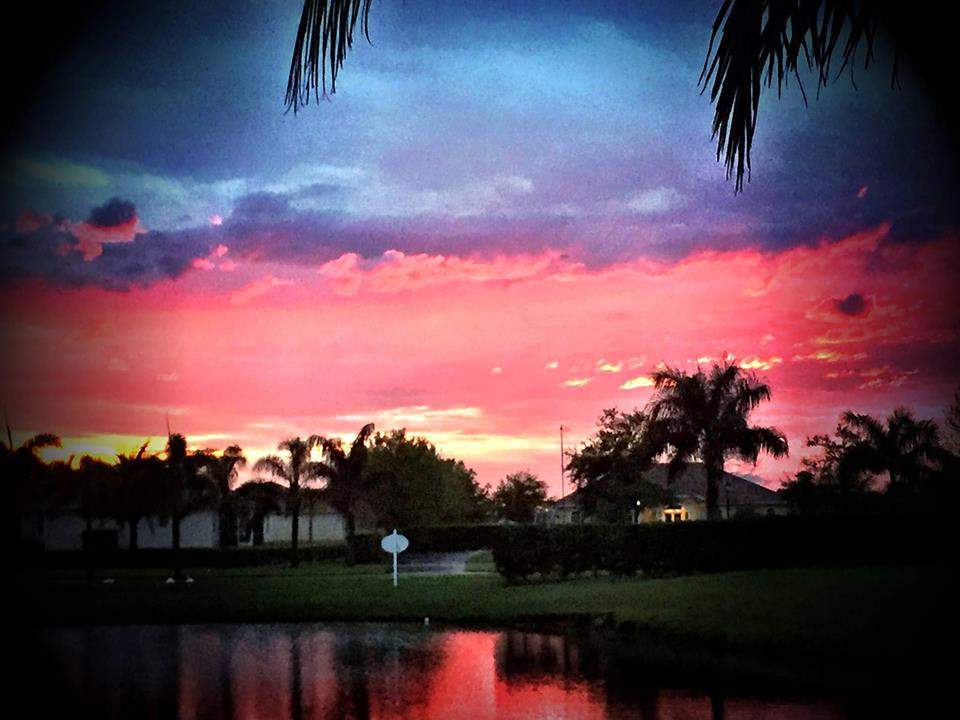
674	514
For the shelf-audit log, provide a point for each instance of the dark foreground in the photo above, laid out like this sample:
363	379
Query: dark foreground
864	639
296	671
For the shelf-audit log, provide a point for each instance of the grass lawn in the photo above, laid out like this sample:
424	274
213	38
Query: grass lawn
862	612
481	561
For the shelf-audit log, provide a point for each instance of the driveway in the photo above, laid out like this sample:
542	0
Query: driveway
446	563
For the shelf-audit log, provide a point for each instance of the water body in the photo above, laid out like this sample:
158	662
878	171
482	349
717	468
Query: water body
300	671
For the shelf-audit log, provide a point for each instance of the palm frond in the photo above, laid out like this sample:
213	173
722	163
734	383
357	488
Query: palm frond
324	36
273	465
40	441
755	44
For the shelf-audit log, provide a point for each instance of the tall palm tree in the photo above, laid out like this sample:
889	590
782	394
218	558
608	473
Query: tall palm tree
706	416
296	471
344	472
187	489
222	470
902	447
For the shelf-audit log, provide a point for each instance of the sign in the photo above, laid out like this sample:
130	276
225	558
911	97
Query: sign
394	543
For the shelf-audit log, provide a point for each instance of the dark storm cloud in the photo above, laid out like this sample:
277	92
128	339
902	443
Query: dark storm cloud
50	251
853	305
113	213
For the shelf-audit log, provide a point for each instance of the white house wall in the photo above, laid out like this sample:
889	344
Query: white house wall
65	532
198	530
327	527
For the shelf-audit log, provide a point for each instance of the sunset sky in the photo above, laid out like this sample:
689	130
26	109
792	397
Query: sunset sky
505	219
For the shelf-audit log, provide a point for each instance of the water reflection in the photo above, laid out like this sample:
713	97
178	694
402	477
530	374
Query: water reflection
301	672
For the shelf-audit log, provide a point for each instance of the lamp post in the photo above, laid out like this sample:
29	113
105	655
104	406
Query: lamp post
562	464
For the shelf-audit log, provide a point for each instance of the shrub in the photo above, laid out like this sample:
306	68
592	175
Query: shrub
768	542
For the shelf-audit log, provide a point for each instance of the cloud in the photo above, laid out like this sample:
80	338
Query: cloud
416	415
752	362
655	201
115	212
577	382
78	254
395	271
853	305
258	288
637	382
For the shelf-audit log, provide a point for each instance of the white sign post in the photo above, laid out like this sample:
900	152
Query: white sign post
394	543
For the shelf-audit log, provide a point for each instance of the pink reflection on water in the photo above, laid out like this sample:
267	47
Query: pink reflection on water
301	672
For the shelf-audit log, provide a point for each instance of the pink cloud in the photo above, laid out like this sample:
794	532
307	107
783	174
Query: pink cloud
403	338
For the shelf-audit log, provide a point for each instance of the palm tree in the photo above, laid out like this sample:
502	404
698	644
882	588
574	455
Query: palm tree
296	472
222	471
753	44
187	489
23	474
707	417
254	500
344	473
902	447
139	491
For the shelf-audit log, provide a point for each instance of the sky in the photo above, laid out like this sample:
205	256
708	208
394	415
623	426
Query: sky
507	217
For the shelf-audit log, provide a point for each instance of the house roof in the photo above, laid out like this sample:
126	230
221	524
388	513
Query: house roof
692	483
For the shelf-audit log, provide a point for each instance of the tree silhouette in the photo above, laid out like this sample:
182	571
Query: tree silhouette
518	496
23	474
609	468
222	471
138	490
706	416
902	447
296	472
953	423
343	471
186	490
253	501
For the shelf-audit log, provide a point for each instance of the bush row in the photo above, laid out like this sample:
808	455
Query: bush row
655	549
189	557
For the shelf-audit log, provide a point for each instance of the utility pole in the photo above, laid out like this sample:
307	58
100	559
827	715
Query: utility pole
6	419
562	464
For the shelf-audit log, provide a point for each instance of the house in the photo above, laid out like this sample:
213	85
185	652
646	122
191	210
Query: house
738	496
63	530
320	524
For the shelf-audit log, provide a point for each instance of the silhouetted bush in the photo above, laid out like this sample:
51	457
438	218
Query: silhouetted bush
769	542
189	557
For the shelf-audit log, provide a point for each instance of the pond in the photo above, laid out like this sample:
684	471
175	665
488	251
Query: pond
300	671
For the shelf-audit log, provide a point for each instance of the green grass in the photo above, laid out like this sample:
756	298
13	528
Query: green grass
481	562
844	613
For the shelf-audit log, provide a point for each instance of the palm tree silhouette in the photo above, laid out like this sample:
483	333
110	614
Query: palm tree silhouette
296	472
222	470
902	446
138	490
254	500
23	473
344	473
753	44
187	489
706	416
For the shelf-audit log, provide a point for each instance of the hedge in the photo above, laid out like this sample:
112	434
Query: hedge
676	548
523	551
189	557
